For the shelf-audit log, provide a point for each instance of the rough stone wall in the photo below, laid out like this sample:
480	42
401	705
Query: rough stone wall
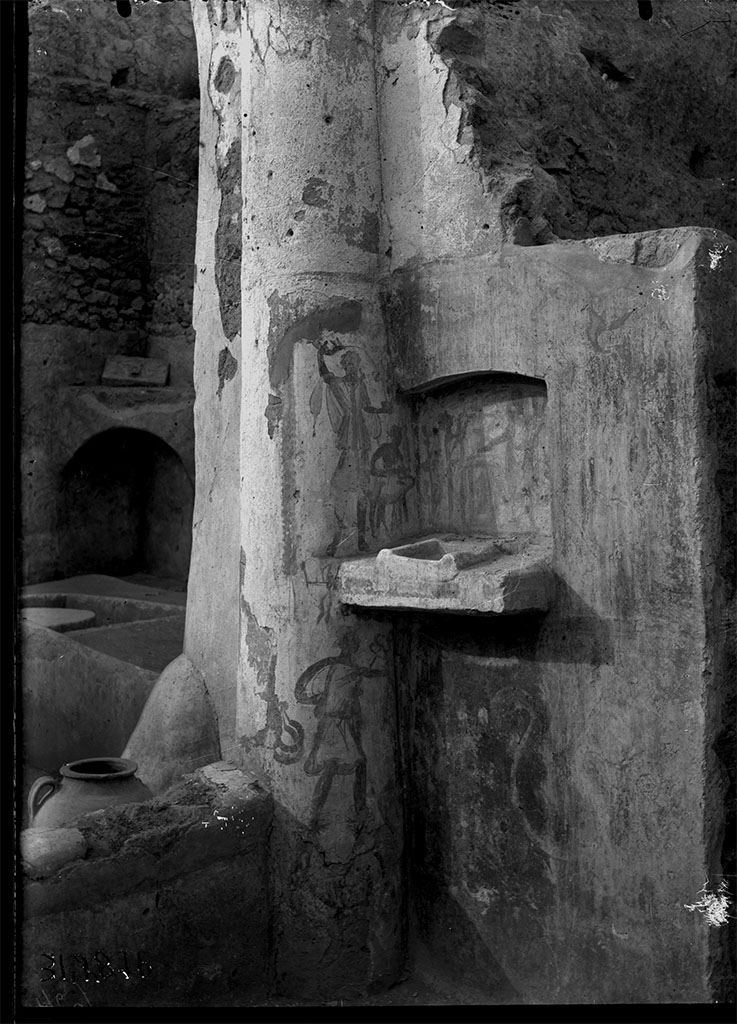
108	237
170	210
111	158
583	119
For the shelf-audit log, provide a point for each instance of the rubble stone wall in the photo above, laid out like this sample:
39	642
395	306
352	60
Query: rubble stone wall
108	233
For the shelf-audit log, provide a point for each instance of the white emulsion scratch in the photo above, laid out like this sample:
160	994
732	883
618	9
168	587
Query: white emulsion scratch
715	255
714	904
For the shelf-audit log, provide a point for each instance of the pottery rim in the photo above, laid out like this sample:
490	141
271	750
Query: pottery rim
115	768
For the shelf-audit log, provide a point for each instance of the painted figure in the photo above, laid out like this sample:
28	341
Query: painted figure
355	421
334	686
281	734
390	481
454	437
430	466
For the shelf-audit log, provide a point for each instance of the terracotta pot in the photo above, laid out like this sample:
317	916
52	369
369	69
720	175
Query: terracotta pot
86	785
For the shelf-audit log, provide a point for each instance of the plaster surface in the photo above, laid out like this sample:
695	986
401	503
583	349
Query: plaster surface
84	699
400	330
212	613
316	701
61	620
591	735
177	728
77	702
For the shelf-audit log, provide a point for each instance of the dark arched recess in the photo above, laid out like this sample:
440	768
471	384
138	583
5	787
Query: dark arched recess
126	507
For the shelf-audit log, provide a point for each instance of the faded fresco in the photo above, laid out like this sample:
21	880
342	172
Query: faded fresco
348	404
391	479
373	471
482	458
281	734
334	686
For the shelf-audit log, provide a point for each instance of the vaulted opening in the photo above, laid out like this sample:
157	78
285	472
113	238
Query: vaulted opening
126	507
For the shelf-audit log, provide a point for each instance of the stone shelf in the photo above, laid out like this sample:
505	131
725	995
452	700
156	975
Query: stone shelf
135	371
450	573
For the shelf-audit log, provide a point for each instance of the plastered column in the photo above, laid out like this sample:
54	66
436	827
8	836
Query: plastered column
211	641
323	476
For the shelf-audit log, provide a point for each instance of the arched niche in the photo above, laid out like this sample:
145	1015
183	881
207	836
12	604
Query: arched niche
125	506
482	458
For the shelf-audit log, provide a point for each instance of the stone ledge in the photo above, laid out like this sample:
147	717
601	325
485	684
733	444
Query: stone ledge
135	371
460	576
215	814
170	904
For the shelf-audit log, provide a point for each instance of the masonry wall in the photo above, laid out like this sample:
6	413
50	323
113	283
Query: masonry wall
567	772
546	756
108	235
164	903
584	119
401	232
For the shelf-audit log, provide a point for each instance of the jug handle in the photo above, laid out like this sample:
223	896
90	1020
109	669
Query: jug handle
33	807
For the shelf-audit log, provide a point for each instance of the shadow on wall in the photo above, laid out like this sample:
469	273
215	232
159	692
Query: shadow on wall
125	507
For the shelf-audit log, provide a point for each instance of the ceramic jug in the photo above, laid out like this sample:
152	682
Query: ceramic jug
86	785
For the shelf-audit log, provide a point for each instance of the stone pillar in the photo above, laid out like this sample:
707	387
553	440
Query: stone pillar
211	641
316	690
568	792
189	719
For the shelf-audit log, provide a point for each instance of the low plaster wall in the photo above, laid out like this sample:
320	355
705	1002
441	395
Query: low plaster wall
108	610
76	702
